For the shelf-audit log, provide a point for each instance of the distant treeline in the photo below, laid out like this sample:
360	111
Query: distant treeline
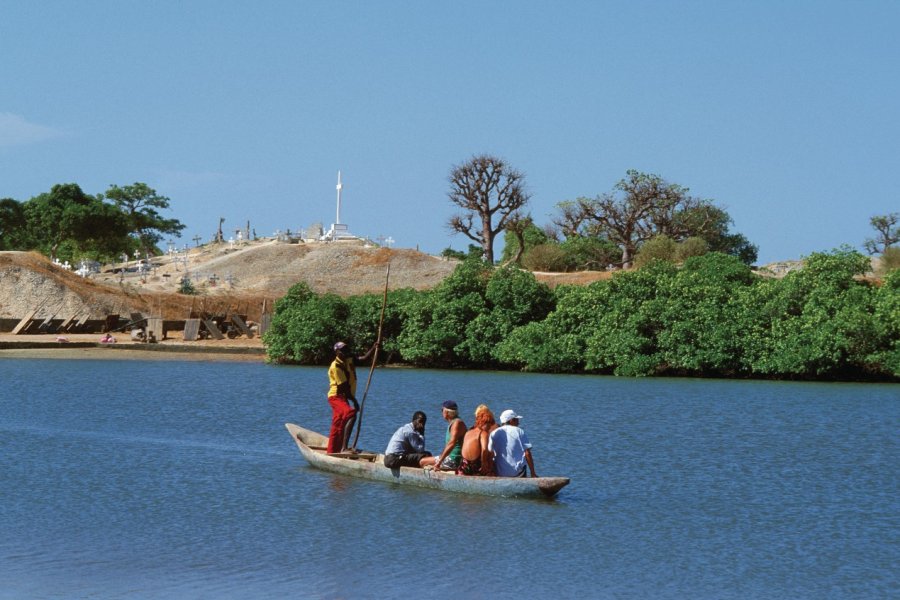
711	316
68	224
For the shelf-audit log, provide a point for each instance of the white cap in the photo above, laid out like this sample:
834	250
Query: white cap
508	415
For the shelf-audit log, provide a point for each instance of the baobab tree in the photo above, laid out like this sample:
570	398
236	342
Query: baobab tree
491	194
644	206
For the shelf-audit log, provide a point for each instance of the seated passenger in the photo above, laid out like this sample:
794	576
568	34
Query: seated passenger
476	458
451	455
484	407
511	448
407	445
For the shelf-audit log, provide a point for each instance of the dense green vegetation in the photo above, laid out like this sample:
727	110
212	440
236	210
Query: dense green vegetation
68	224
710	317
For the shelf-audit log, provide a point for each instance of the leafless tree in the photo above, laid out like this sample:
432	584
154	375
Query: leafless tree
491	194
888	233
572	219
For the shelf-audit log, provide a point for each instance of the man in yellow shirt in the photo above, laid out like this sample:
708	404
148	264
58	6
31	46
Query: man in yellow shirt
342	397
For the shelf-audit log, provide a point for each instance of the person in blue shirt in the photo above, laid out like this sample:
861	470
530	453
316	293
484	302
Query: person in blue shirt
407	445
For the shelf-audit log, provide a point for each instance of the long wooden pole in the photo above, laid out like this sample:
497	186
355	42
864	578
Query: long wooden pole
362	404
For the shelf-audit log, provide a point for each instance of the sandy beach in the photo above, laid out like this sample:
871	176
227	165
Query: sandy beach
88	346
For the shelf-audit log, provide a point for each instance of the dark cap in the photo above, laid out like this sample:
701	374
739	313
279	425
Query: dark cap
450	405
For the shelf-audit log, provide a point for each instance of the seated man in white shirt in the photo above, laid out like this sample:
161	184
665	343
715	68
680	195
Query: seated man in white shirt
511	448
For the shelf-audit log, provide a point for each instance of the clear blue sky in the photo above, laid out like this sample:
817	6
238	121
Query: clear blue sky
785	113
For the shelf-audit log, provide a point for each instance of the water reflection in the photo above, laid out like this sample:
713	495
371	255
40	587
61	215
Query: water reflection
338	484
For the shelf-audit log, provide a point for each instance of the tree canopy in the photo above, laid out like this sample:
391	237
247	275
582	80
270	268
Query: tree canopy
68	224
519	237
643	206
141	205
13	226
491	194
66	213
887	233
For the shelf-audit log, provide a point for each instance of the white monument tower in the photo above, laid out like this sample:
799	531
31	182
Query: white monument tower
339	188
338	231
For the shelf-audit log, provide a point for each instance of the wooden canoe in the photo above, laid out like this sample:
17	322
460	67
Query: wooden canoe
370	465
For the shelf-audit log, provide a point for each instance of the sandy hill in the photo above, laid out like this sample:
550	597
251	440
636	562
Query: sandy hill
226	277
343	268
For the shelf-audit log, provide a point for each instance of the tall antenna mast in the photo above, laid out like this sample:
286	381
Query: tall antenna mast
339	186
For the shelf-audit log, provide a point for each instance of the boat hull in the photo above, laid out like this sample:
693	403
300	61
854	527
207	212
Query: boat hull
371	466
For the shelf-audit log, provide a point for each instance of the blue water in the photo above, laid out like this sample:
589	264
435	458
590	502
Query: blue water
131	479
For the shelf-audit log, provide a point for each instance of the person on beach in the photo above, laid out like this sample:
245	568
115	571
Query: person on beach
476	458
510	447
451	455
108	339
407	445
342	396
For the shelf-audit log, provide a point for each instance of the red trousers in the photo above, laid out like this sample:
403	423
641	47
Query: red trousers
341	412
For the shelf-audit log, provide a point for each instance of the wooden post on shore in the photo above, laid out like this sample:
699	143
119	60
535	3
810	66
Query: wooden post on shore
265	318
237	320
191	330
24	323
67	322
155	329
213	329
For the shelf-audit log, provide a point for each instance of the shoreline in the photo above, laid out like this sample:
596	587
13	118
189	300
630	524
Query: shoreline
87	346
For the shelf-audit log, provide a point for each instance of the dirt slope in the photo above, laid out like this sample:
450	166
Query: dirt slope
226	277
244	278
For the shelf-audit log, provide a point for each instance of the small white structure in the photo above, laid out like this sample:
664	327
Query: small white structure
313	233
338	231
88	267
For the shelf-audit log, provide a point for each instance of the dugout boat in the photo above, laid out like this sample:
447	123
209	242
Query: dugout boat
370	465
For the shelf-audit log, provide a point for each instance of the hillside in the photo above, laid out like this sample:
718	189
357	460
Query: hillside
225	277
245	278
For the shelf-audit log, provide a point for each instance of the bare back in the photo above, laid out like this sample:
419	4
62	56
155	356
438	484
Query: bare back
471	446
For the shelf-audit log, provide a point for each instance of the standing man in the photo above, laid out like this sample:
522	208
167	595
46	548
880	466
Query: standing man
407	445
341	393
451	456
511	448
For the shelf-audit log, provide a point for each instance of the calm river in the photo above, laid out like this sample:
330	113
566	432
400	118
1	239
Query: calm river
133	479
